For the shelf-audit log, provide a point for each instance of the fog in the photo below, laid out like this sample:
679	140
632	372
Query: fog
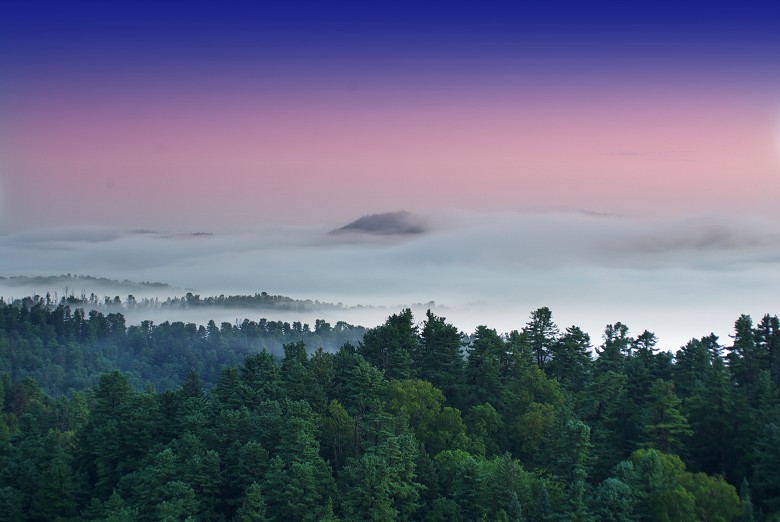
678	277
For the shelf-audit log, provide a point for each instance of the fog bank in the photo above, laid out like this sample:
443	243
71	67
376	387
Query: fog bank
678	277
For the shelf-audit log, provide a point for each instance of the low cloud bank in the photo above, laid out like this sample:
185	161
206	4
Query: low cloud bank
679	277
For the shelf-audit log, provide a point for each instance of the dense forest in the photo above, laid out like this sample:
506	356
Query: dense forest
405	421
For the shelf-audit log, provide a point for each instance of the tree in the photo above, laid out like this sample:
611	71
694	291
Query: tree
296	377
614	501
300	487
603	409
484	367
657	481
743	358
715	499
708	404
420	404
390	346
541	334
11	504
571	362
338	435
439	358
666	425
766	476
253	506
55	495
616	347
380	484
483	422
767	338
260	379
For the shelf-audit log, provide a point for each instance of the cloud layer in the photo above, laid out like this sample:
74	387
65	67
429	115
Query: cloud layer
680	277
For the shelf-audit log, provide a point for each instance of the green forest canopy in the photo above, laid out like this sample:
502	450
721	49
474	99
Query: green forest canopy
405	421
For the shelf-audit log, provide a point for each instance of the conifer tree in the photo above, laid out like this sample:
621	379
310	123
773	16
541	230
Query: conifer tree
666	425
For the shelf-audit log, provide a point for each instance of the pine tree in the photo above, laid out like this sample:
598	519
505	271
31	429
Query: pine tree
390	346
571	362
542	334
253	506
439	358
666	426
55	494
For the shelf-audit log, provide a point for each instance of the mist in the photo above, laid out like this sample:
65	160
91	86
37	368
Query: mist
679	277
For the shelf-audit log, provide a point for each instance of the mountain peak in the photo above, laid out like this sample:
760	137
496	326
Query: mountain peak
389	223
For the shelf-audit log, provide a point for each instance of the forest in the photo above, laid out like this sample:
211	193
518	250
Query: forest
409	420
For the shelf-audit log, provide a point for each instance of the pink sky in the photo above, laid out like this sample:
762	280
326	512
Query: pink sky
175	153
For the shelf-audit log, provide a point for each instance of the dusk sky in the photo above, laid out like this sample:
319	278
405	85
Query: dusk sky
660	119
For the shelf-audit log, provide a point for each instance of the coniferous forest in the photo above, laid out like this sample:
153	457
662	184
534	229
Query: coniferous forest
410	420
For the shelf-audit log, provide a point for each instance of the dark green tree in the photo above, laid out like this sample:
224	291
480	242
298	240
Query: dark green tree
666	426
390	346
541	334
253	506
439	358
571	361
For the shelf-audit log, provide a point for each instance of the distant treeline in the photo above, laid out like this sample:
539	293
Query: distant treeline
261	301
414	422
67	349
67	280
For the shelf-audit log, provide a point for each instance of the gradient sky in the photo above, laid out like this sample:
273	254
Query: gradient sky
177	116
662	118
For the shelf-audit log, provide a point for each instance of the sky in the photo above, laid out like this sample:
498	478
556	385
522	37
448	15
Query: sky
564	153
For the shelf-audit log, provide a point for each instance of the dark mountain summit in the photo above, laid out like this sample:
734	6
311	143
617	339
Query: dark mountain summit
389	223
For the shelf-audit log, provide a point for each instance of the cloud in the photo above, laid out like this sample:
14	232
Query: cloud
679	277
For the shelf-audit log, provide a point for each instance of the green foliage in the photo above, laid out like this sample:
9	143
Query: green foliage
526	427
420	404
666	425
766	477
439	358
571	360
541	335
11	504
391	346
253	506
381	483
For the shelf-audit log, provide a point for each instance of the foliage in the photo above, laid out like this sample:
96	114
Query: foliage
105	421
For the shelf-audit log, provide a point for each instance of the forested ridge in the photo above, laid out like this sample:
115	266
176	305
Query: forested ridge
405	421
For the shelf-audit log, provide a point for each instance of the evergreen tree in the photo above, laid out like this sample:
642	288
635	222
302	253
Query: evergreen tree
541	333
766	474
571	361
11	505
390	346
439	358
253	507
743	358
484	367
616	347
666	426
542	511
55	495
767	338
614	501
746	504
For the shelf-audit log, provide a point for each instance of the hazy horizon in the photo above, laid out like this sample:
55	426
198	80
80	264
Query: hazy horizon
678	277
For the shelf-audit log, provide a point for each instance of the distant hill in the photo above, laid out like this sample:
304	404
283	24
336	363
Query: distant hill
69	279
388	223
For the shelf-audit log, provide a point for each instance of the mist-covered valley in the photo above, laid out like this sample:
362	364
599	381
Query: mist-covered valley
679	277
